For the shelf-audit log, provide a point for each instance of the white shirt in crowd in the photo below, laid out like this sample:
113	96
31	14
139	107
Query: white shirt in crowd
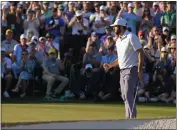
77	26
98	20
8	62
127	47
9	46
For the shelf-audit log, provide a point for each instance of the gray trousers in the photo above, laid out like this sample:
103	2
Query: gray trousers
128	79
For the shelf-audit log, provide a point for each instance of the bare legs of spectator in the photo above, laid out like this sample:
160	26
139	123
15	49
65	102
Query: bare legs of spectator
16	89
8	81
24	87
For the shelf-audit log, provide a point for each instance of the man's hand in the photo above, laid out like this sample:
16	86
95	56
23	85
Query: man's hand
106	66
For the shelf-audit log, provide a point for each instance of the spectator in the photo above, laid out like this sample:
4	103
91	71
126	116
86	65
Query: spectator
169	18
101	21
94	40
47	13
86	11
108	31
163	6
55	25
147	21
9	43
79	24
130	17
124	6
113	13
6	66
142	38
27	65
157	14
145	5
51	73
165	35
137	7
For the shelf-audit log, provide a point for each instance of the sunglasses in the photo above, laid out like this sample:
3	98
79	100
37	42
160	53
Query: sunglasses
173	39
166	30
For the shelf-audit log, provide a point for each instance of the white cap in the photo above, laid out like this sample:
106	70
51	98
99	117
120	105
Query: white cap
147	47
121	22
165	28
131	5
163	49
42	38
3	49
23	36
88	66
71	2
79	13
102	7
173	37
155	3
34	38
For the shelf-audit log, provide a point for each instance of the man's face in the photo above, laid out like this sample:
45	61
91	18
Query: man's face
42	42
173	40
9	36
170	6
55	13
94	38
97	8
49	39
117	29
12	8
23	41
130	9
155	31
86	6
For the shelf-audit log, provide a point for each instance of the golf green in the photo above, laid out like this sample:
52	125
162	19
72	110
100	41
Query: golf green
49	112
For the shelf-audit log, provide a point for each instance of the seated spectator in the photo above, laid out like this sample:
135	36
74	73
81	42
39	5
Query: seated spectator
172	49
55	26
6	66
9	43
157	14
27	65
110	77
17	54
51	73
94	40
165	36
101	21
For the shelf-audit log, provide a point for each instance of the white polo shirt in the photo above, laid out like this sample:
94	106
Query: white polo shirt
127	47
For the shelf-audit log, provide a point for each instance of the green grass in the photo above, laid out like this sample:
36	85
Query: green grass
47	112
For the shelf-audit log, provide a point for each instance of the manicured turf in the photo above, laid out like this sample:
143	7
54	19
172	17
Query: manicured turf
47	112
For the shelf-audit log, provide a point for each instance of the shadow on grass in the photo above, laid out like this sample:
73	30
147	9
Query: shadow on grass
32	100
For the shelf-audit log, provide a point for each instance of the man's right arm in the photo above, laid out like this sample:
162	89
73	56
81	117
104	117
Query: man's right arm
115	63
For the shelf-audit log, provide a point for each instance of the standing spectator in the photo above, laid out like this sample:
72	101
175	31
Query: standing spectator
113	13
163	6
79	24
94	15
101	21
6	66
147	21
51	73
9	43
145	4
55	25
86	11
130	17
137	7
169	18
31	24
157	14
47	13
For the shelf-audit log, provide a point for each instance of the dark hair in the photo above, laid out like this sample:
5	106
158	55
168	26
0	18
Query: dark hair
149	15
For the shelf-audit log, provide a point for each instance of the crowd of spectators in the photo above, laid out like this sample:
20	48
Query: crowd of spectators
60	47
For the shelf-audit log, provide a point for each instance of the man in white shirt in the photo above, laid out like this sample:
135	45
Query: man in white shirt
79	24
9	43
130	61
6	66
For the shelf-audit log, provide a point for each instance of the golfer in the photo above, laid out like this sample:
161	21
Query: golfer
130	61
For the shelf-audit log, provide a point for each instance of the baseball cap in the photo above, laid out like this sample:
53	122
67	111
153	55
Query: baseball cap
49	35
88	66
165	28
52	50
163	49
102	7
155	3
94	34
173	37
9	31
23	36
140	32
42	38
120	22
34	38
3	49
79	13
131	5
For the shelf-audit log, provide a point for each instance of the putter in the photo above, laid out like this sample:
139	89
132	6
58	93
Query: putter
137	87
